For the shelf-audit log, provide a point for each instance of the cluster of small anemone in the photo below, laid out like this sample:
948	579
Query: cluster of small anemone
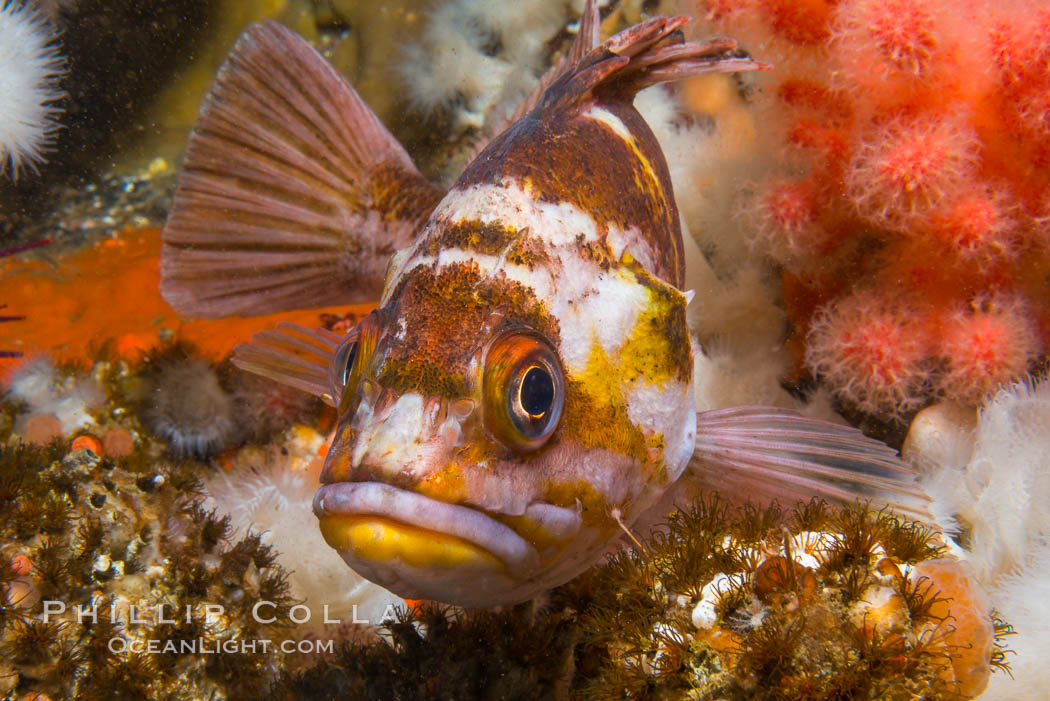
84	534
102	513
171	397
813	603
752	603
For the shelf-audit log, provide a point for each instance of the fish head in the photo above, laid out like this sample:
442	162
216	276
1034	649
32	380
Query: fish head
486	451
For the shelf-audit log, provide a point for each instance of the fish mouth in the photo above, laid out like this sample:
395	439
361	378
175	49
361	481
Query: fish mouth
419	547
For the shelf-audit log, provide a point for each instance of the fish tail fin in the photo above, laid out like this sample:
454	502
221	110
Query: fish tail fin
292	193
648	53
766	454
293	355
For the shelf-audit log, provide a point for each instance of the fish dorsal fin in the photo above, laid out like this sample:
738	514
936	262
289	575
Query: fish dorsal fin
293	355
292	192
645	54
764	454
587	36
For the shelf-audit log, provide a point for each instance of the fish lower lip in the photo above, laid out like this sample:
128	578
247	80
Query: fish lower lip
362	499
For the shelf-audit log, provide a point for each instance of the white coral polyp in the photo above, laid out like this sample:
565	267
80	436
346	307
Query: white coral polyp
30	65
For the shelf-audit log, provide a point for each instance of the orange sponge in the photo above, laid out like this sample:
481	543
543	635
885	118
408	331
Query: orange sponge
108	293
967	615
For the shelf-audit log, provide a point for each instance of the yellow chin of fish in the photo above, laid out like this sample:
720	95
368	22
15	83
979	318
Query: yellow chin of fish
379	539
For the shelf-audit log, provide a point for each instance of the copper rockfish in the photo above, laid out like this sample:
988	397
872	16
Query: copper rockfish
523	393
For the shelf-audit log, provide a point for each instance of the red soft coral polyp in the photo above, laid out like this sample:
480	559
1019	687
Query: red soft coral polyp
888	50
791	206
986	346
720	9
872	354
910	161
978	226
816	98
802	21
1032	111
828	143
902	172
902	32
1020	45
786	217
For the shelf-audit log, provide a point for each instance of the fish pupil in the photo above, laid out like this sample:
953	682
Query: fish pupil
348	366
537	392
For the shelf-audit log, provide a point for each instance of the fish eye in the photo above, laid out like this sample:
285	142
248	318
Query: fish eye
347	365
524	390
345	359
343	364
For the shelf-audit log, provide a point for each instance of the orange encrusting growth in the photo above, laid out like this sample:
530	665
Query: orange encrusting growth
964	614
86	441
108	293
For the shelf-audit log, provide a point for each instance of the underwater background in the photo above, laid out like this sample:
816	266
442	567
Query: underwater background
872	246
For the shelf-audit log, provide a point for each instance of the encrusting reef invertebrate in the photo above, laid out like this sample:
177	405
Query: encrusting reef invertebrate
988	471
874	352
57	398
724	606
185	403
901	173
3	254
202	408
476	60
986	346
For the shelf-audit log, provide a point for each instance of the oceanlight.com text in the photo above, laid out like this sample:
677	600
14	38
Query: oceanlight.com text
201	646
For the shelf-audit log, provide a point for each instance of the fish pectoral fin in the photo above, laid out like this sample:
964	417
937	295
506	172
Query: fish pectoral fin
766	453
293	355
292	193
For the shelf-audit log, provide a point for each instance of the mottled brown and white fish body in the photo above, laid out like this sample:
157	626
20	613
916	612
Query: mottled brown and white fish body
523	392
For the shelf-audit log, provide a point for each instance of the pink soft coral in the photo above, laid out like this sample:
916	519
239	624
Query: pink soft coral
914	147
872	351
901	172
986	346
979	225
